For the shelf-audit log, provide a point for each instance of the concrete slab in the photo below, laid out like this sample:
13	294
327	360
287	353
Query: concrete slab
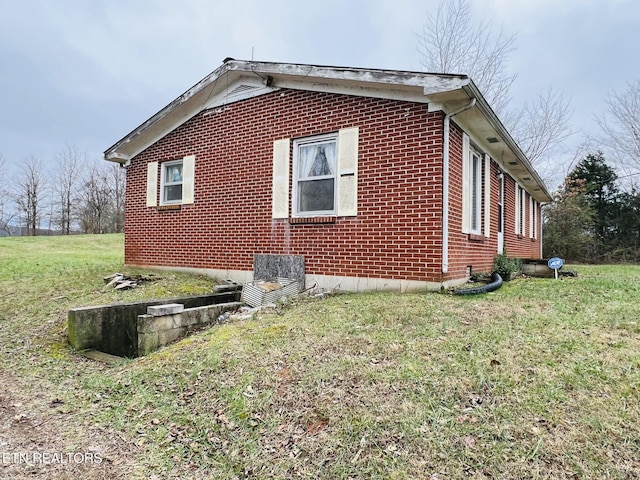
167	309
101	357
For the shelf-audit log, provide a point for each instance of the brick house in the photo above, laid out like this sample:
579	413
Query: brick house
378	179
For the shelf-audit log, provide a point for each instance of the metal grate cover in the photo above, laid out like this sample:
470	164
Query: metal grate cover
261	292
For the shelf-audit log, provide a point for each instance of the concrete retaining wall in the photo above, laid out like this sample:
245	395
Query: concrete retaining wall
157	331
113	329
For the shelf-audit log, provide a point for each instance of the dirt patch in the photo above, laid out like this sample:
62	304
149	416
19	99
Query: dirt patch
37	440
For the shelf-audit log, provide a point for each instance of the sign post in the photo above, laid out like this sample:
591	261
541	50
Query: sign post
555	263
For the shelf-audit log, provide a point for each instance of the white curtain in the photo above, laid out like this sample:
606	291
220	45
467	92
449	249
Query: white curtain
317	160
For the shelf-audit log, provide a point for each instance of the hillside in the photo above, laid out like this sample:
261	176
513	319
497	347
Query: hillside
537	380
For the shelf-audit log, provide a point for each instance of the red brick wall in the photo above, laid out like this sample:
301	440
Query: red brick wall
522	246
465	251
397	233
479	252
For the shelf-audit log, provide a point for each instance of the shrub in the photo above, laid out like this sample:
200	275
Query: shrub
506	266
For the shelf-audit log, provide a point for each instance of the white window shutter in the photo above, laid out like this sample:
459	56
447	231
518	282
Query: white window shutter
517	212
348	172
188	178
523	209
531	214
152	184
466	193
280	188
487	196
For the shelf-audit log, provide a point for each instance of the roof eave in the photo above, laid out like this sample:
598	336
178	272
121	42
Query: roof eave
418	84
178	110
116	150
544	196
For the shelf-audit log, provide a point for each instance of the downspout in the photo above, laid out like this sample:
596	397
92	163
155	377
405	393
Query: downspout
445	184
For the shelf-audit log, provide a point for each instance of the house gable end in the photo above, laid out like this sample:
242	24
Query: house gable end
238	80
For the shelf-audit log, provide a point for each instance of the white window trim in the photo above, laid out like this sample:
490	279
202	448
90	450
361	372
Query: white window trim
471	154
163	181
297	143
346	182
533	218
156	171
475	186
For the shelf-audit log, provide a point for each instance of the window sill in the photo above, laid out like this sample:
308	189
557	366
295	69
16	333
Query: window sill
473	237
311	220
164	208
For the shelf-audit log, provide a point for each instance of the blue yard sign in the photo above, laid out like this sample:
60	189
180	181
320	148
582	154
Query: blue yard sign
555	263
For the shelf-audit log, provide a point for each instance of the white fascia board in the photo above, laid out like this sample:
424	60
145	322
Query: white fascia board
118	158
145	134
366	75
214	91
361	90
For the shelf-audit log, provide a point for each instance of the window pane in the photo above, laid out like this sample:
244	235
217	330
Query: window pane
476	185
317	160
316	195
174	173
172	193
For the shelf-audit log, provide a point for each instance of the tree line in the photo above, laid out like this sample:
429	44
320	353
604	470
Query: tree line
594	216
73	194
595	212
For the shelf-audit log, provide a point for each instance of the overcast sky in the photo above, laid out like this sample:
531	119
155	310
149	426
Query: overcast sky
85	73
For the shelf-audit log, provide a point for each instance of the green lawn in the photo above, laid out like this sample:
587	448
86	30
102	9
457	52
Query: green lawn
540	379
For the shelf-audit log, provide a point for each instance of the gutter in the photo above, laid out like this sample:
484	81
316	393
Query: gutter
445	183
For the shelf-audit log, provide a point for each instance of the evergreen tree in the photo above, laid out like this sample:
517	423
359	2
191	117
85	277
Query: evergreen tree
626	247
568	223
601	193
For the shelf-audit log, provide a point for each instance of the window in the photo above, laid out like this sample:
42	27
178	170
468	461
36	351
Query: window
171	182
176	182
475	188
325	176
476	193
315	161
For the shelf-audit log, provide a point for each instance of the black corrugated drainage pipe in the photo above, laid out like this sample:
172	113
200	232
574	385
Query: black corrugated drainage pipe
496	283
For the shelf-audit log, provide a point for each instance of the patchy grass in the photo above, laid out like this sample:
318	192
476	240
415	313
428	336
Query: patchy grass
537	380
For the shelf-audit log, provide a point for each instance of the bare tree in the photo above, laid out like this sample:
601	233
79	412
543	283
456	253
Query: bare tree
66	184
621	127
30	191
541	127
102	199
116	176
6	214
450	42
